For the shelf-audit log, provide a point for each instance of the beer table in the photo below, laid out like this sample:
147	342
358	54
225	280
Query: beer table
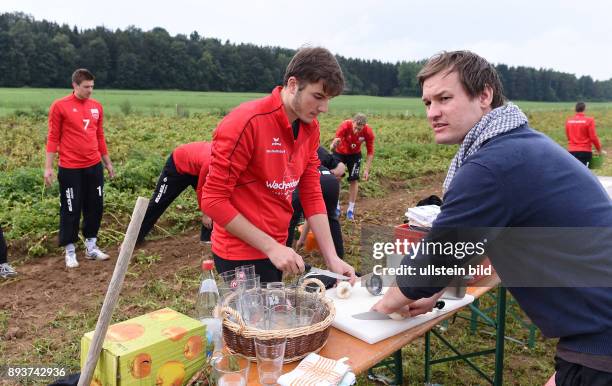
363	356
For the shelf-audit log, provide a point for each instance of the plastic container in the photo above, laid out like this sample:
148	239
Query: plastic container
596	161
405	232
310	244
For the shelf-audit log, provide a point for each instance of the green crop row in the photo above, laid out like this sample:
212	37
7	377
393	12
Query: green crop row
139	146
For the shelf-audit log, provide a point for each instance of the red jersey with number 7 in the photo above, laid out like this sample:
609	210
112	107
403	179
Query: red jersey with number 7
75	130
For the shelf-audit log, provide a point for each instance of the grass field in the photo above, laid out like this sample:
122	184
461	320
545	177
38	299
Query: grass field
141	137
156	103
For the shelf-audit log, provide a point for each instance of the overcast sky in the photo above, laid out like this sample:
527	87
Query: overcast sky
569	36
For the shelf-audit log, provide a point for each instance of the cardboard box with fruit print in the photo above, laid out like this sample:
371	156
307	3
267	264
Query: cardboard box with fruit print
163	347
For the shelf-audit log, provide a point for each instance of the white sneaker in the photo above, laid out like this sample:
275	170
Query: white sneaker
7	271
96	254
71	260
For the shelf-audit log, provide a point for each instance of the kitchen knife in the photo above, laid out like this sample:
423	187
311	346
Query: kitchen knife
324	272
372	315
375	315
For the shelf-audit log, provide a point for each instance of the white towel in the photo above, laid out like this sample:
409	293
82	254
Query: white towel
315	370
423	215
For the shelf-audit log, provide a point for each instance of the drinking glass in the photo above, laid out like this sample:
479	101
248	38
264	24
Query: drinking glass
245	272
275	293
315	304
282	317
229	278
228	292
249	283
270	355
230	370
292	295
253	308
303	316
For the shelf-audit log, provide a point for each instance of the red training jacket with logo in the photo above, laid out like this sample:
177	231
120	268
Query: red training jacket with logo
580	132
350	143
193	159
255	167
75	129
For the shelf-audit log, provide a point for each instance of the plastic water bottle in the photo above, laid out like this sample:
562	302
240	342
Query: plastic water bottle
205	308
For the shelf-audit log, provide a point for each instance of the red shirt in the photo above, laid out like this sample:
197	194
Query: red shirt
75	129
580	132
193	159
350	142
255	167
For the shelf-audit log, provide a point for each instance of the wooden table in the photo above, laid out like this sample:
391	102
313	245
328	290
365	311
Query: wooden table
362	355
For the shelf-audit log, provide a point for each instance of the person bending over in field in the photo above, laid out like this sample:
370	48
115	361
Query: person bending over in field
331	170
187	165
261	152
347	146
75	130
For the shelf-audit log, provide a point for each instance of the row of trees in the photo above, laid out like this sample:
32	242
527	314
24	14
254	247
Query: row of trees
44	54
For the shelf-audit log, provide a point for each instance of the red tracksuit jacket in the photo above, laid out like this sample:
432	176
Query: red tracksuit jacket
193	159
350	143
580	132
75	129
255	167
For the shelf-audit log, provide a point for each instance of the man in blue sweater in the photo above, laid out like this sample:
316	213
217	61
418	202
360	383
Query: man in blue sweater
520	194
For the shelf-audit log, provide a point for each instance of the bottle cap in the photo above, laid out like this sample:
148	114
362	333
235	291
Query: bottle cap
208	265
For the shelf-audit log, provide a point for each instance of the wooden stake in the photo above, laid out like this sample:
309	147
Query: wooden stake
114	288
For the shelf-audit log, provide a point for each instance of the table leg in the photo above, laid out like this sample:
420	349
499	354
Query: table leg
398	371
500	327
500	336
427	357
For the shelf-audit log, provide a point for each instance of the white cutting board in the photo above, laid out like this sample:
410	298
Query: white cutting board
373	331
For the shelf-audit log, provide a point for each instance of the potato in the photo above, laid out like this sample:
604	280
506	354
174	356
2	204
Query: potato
343	290
396	316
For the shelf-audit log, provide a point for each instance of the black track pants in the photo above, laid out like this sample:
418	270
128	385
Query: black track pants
3	248
169	186
81	191
330	188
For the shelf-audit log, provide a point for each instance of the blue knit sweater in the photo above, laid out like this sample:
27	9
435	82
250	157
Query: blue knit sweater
523	179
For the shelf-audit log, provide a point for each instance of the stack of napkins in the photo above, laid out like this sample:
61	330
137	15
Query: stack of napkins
422	216
315	370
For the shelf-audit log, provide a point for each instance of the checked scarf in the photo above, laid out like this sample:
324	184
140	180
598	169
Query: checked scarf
500	120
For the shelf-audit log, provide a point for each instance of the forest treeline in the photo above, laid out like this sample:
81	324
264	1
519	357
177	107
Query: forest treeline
37	53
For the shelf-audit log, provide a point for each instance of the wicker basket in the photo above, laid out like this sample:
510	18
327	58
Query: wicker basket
300	340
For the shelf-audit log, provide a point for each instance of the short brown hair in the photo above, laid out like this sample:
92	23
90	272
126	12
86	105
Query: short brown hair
580	107
475	73
82	74
360	119
312	64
